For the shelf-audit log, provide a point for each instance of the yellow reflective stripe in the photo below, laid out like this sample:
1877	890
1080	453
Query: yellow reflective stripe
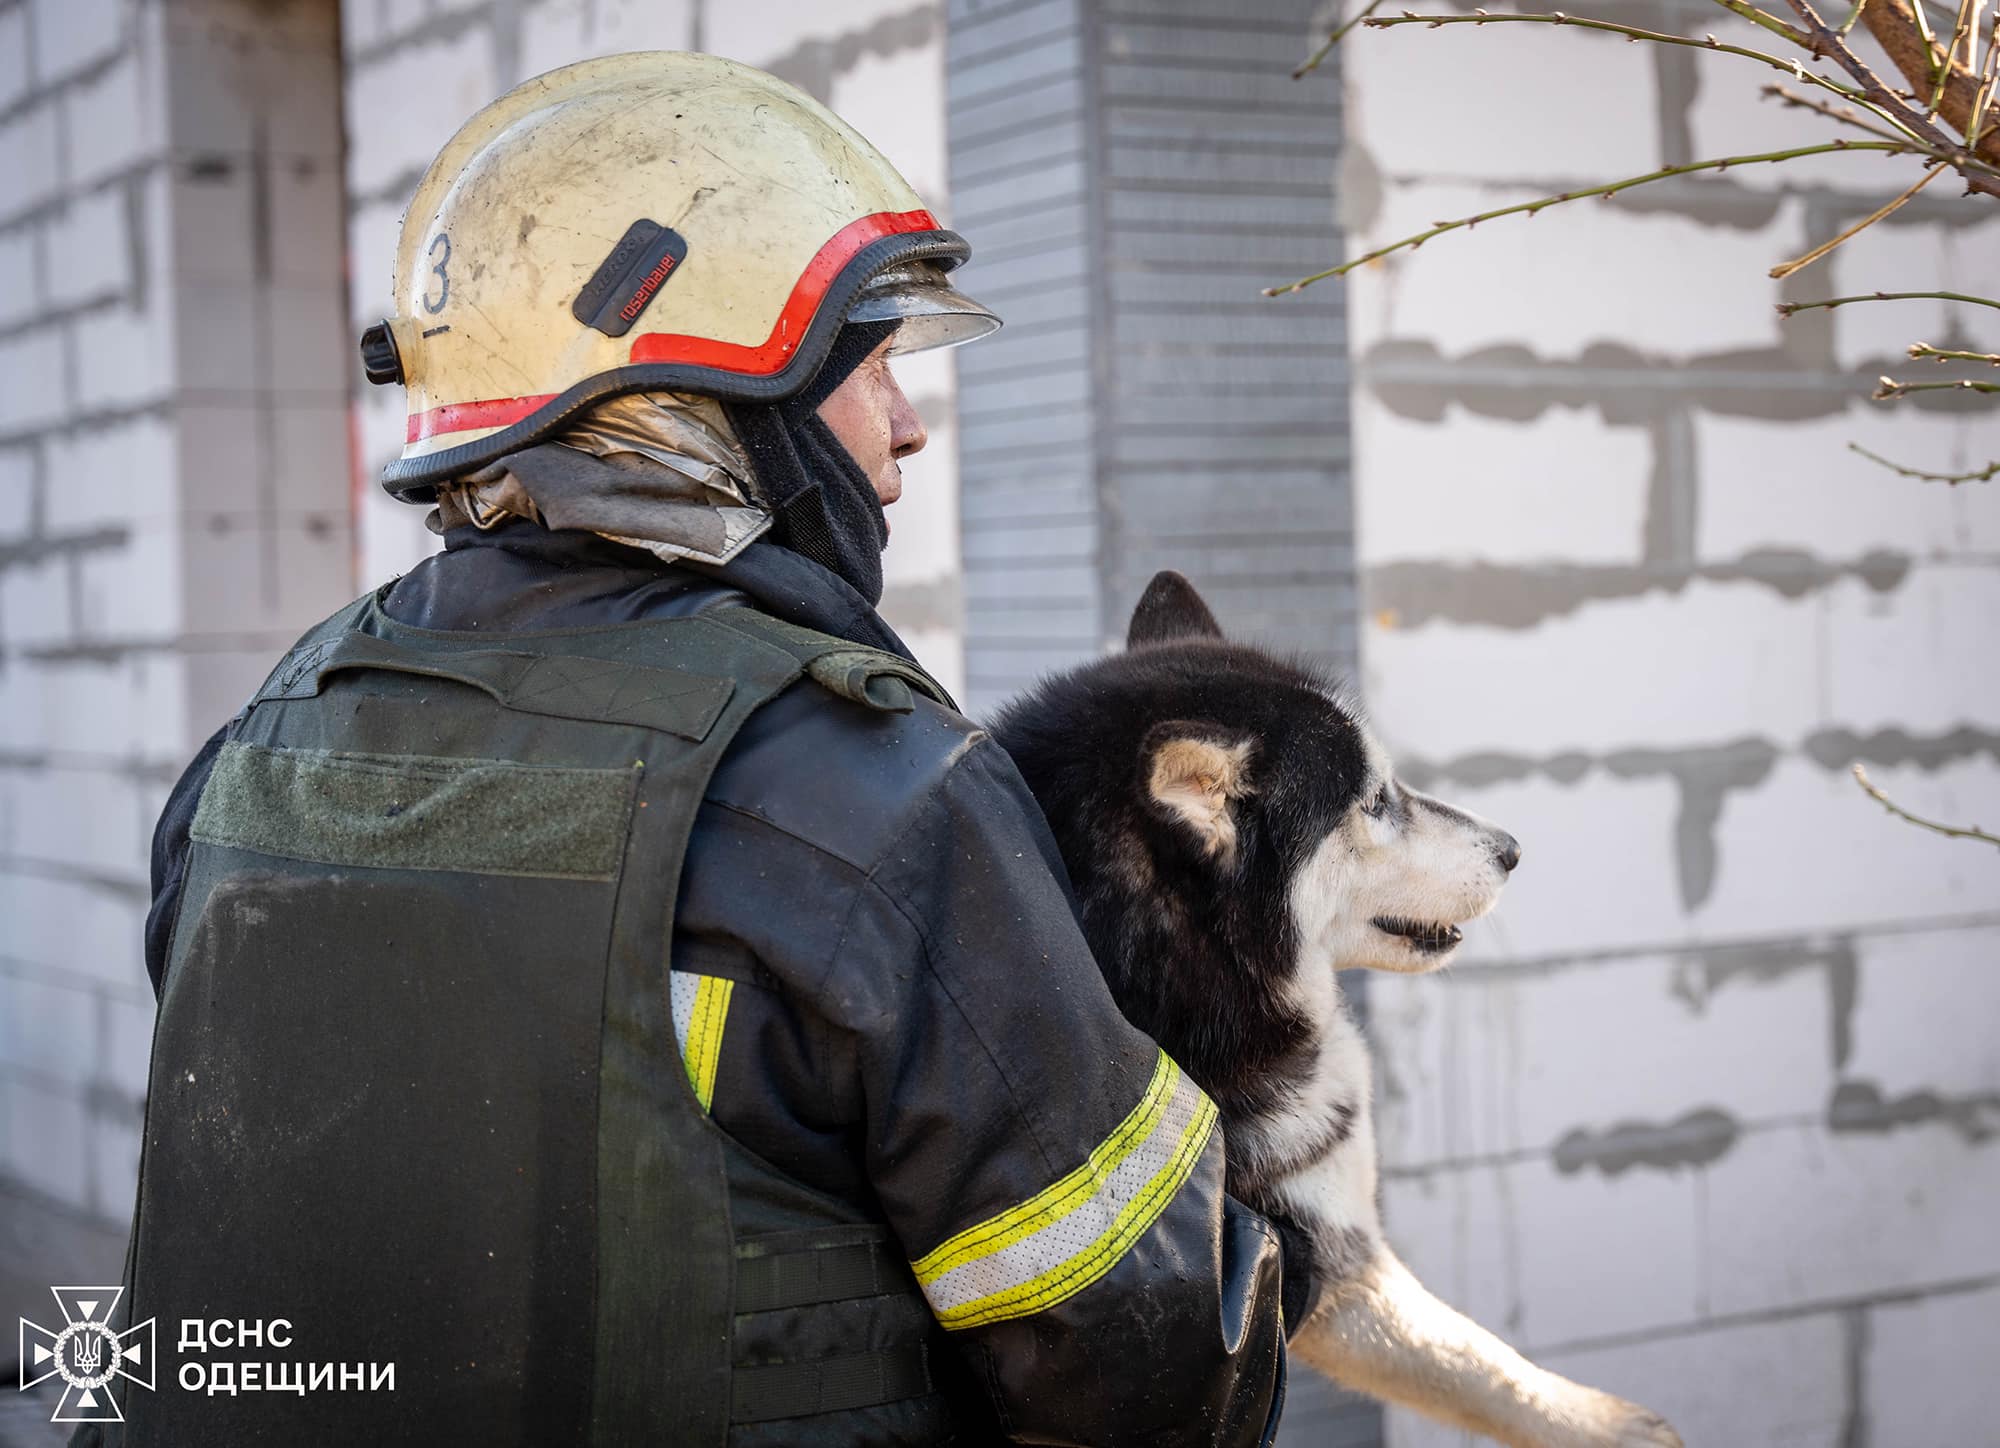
1062	1282
1034	1256
702	1051
1059	1199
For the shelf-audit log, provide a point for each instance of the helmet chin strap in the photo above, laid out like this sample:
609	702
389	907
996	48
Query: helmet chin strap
822	504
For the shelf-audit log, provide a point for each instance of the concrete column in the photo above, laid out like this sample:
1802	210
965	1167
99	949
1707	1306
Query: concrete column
173	511
1129	177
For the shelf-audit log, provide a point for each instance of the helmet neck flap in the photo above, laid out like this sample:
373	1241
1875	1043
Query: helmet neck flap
823	504
690	477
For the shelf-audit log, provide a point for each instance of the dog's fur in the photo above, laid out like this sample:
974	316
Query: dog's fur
1235	836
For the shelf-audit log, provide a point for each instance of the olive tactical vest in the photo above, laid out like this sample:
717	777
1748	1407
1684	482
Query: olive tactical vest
415	1084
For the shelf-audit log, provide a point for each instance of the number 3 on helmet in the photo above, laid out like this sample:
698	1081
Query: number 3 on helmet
657	221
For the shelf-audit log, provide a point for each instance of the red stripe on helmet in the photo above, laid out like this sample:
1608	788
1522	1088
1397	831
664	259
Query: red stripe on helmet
759	361
790	328
465	416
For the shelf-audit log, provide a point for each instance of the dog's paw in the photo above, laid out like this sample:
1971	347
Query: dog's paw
1644	1429
1627	1425
1591	1419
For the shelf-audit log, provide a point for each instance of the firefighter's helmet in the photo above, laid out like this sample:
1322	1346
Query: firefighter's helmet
656	221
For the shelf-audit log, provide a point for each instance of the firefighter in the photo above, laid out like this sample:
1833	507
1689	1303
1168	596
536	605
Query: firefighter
601	973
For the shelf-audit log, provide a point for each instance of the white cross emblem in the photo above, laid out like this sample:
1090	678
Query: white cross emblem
87	1354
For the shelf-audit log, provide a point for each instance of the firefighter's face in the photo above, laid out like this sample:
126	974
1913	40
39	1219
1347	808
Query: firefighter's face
875	422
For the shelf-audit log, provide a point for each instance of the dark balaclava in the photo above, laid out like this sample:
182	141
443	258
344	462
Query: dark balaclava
822	504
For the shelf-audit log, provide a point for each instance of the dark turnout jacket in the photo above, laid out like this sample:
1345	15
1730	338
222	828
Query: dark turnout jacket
914	1023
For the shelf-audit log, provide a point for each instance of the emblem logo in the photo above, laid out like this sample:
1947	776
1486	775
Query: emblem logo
87	1354
626	281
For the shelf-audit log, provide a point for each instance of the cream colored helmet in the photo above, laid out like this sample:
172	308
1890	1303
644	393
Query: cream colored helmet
658	221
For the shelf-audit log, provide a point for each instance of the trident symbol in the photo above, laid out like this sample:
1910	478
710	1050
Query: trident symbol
89	1354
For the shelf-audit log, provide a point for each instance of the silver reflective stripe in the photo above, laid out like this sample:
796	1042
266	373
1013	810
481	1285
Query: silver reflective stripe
1035	1255
681	988
700	1006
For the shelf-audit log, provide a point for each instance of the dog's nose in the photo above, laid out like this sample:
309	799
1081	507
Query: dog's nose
1507	850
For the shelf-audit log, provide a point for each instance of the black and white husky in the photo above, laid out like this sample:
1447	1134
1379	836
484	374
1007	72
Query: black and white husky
1235	836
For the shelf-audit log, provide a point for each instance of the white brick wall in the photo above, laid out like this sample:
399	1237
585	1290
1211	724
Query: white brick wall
45	1133
72	34
1580	252
17	493
113	121
81	822
34	604
13	54
1863	870
1928	1363
28	158
1464	75
1776	1383
406	105
74	929
1493	1068
1567	465
19	271
1614	544
1812	1216
124	359
90	246
1421	676
1800	487
47	1029
32	363
112	475
171	555
1927	999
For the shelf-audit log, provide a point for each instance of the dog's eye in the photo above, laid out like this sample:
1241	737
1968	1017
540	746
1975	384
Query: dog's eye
1379	804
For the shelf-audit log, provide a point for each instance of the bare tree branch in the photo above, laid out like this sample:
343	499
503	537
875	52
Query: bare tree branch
1770	22
1962	34
1921	350
1826	43
1984	474
1888	388
1955	832
1786	268
1609	189
1989	72
1847	117
1794	68
1339	34
1785	309
1881	102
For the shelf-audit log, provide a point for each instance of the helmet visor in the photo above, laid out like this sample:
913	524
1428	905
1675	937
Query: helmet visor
932	311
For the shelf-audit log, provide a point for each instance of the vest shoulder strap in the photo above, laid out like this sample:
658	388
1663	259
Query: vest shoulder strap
874	677
560	685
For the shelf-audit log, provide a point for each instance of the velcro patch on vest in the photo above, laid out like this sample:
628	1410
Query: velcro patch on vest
626	281
418	812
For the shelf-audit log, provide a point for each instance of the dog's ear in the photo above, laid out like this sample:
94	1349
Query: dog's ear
1168	611
1193	772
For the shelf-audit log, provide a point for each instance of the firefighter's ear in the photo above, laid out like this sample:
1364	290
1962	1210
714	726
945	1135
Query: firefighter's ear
1170	610
1194	774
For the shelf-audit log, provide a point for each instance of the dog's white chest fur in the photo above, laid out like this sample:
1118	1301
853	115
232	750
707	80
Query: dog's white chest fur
1317	1150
